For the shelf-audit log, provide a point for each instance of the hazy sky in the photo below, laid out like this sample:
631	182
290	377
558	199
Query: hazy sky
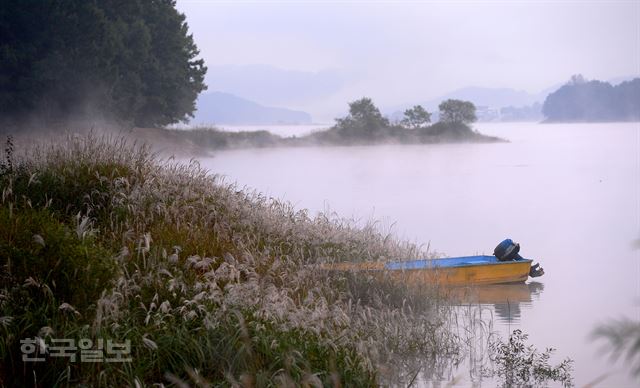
404	51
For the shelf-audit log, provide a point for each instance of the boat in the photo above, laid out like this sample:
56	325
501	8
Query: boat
505	266
461	270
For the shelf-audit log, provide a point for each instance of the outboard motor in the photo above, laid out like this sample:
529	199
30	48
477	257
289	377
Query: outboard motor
507	250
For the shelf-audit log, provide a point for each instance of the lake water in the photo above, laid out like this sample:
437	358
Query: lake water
569	193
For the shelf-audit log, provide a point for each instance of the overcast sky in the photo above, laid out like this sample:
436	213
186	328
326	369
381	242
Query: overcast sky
405	51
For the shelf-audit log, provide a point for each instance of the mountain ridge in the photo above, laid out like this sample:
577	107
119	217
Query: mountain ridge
225	108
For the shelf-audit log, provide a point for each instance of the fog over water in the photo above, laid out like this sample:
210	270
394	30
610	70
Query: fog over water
569	193
399	52
280	130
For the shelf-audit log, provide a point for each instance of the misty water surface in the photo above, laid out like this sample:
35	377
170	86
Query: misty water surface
280	130
569	193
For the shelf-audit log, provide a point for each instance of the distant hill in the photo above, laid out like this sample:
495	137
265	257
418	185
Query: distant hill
273	86
225	108
592	101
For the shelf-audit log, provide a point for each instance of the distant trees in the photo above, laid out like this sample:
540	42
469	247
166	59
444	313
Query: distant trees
364	120
577	79
416	117
366	125
364	112
130	60
582	100
457	111
522	113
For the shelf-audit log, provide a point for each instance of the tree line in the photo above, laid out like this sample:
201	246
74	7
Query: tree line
131	61
583	100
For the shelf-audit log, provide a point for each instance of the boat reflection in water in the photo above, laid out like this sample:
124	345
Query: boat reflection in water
507	299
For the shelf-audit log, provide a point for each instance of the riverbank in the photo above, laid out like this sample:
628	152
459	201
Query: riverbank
102	243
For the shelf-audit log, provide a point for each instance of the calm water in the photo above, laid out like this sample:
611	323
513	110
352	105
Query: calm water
569	193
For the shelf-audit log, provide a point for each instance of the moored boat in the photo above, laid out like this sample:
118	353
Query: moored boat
505	266
461	270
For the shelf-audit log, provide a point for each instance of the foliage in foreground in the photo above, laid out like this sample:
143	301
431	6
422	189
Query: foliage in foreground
210	283
623	341
519	365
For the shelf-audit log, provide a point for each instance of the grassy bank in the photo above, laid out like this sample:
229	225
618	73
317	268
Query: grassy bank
99	240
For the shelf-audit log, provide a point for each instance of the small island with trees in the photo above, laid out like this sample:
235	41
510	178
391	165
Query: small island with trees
363	125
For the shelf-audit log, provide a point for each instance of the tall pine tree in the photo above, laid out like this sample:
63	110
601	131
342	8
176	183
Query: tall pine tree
124	60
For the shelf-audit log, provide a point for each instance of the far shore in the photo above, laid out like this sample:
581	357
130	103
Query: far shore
203	141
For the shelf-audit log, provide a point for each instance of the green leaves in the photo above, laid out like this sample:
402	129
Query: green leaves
33	244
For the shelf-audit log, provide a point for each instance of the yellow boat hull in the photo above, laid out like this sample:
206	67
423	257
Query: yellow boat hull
491	273
508	272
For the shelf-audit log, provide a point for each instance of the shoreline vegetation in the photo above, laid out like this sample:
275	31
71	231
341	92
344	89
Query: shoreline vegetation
211	284
99	240
364	125
202	140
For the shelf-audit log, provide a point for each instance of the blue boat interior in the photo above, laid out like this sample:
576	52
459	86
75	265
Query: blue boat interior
448	262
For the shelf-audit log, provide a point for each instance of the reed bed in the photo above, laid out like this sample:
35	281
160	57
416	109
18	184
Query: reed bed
212	284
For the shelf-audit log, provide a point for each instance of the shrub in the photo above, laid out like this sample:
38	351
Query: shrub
519	365
37	248
52	278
